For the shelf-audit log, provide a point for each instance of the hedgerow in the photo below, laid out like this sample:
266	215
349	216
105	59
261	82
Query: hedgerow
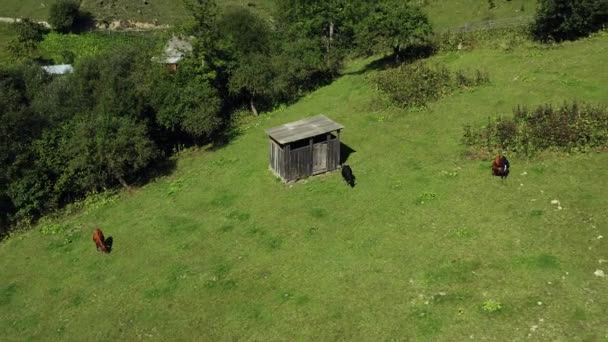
417	84
571	127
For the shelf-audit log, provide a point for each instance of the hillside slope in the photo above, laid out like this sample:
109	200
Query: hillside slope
221	250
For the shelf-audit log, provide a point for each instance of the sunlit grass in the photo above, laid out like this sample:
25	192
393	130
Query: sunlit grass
220	250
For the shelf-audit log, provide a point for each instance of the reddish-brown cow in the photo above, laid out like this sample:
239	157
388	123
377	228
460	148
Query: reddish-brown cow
500	166
100	240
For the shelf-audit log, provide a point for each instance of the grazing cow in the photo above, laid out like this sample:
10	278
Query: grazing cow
347	174
99	240
500	166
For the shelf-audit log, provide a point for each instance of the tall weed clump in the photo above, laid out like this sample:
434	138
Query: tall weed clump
417	84
504	38
572	127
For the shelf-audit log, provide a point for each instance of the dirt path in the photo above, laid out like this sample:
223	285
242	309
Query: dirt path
13	20
114	25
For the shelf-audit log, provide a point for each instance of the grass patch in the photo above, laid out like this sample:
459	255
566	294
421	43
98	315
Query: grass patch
542	261
7	293
455	271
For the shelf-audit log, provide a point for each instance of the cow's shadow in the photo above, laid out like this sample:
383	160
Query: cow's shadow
109	242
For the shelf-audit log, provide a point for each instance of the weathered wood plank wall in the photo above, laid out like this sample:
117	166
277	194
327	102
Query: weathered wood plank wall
293	164
300	163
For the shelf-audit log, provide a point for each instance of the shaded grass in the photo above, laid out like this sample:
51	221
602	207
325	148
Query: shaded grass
239	257
162	11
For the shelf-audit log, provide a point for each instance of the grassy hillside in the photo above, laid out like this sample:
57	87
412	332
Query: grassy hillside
220	250
164	11
454	13
444	14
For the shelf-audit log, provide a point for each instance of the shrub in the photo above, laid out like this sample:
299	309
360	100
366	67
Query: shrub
419	83
493	37
571	127
29	36
568	19
63	15
491	305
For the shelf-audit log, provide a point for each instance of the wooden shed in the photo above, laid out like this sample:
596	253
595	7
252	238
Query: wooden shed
304	148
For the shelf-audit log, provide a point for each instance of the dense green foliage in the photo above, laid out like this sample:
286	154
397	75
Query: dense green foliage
67	136
417	84
559	20
63	15
504	38
29	34
570	127
397	26
62	47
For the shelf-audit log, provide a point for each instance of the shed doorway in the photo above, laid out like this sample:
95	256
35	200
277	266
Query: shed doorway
319	158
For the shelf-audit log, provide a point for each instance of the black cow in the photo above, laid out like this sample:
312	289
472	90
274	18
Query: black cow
347	174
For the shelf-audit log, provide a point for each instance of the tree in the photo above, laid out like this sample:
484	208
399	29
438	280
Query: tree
560	20
107	148
189	105
394	25
247	40
29	36
203	26
254	77
329	21
64	14
244	32
300	67
19	127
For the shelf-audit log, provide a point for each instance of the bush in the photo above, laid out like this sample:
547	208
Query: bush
571	127
419	83
493	37
63	15
29	36
491	305
560	20
396	25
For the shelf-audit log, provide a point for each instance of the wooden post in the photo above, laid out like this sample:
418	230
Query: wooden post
339	162
311	162
287	162
328	154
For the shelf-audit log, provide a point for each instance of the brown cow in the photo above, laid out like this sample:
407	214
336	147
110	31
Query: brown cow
500	166
100	241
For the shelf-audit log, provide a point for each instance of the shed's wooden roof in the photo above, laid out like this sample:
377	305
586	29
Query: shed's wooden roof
303	129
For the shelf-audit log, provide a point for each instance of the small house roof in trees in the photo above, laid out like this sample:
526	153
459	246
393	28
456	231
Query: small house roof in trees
175	50
59	69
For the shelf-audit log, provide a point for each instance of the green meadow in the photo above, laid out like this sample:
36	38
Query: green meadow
427	246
